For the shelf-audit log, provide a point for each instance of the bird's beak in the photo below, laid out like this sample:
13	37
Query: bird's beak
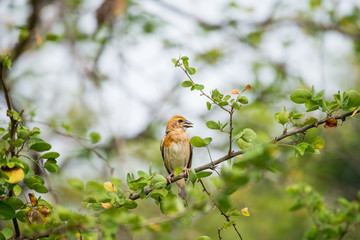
188	124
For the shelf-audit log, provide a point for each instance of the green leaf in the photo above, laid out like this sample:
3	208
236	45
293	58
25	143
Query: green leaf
303	147
158	181
317	142
299	205
39	188
223	103
207	140
283	117
35	132
17	190
191	71
51	165
298	115
143	174
178	171
353	100
21	215
156	193
50	155
19	142
197	141
95	137
130	204
212	125
248	135
6	211
243	100
199	87
203	174
318	95
208	105
7	233
186	84
14	202
193	177
300	96
236	105
38	145
175	61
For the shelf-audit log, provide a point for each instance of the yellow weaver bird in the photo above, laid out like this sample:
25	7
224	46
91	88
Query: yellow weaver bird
176	150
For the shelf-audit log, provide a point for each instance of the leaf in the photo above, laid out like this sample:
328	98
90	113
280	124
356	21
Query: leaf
298	115
95	137
301	148
317	142
245	212
248	135
193	177
354	100
14	202
197	141
199	87
143	174
159	193
178	171
236	105
17	190
242	144
6	211
109	187
191	71
318	95
50	155
130	204
207	140
234	91
33	199
38	145
21	215
283	117
51	165
203	174
7	233
212	125
39	188
300	96
175	61
186	84
158	181
208	105
243	99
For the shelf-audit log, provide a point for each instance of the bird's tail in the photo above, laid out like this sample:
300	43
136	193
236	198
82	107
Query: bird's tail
181	189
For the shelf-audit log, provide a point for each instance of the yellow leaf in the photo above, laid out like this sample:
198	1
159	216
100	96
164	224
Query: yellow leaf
109	187
245	212
106	205
234	91
15	174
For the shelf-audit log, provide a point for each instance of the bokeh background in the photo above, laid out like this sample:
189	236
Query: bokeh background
85	66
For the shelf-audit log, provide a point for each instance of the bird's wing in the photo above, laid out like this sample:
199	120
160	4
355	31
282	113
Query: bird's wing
190	157
166	163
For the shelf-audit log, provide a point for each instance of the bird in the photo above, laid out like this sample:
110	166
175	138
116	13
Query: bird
177	150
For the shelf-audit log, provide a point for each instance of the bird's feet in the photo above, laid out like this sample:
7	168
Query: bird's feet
168	178
186	171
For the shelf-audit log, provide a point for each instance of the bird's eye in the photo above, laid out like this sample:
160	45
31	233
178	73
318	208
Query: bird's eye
180	120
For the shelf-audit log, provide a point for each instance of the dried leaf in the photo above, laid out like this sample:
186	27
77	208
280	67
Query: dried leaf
234	91
248	87
330	123
44	211
106	205
33	199
33	216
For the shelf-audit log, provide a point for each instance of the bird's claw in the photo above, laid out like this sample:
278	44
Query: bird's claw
168	178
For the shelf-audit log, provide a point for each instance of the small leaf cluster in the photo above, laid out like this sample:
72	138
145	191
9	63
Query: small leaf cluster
329	222
348	101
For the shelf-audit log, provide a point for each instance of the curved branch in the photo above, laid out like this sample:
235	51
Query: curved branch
213	164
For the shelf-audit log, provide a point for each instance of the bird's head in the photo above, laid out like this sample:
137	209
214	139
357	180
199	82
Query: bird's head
177	122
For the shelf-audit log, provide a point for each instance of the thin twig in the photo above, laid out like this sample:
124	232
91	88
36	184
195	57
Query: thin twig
231	129
227	217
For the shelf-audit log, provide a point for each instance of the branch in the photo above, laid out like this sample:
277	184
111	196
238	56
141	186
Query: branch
213	164
221	211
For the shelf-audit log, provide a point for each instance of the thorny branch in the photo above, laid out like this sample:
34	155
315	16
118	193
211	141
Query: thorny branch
211	165
227	217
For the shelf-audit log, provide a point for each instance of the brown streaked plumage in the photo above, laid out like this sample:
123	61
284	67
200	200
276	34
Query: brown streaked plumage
176	149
